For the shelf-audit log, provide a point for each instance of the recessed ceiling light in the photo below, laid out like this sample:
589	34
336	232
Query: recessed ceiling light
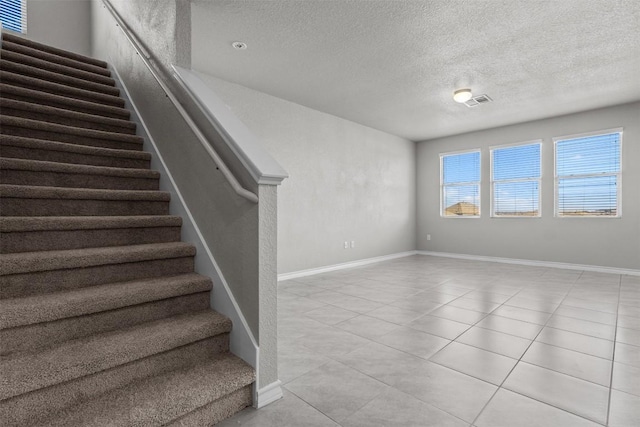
462	95
239	45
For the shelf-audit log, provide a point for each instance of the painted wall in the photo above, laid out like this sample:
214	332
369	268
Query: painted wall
65	24
610	242
347	182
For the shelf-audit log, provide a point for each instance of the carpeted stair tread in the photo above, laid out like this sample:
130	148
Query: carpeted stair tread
163	399
54	50
48	233
69	134
55	115
35	192
29	262
59	305
32	408
80	150
64	102
59	89
18	58
25	65
54	58
24	372
49	223
68	168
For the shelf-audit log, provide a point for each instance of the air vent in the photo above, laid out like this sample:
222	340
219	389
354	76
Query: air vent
478	100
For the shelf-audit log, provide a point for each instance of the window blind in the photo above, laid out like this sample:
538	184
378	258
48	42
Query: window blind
460	184
13	15
588	175
515	177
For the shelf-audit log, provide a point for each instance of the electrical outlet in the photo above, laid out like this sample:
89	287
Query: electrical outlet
346	245
428	236
353	243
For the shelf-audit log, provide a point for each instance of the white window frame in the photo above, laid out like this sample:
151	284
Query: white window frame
557	178
492	181
23	19
478	183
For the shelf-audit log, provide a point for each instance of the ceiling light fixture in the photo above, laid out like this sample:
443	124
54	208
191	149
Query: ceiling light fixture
462	95
239	45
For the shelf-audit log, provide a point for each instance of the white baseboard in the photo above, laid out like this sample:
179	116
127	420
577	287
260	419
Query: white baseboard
534	263
268	394
342	266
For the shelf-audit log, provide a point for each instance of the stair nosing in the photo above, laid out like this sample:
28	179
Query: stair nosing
51	49
68	114
70	130
88	355
39	261
14	65
73	148
33	309
77	223
76	169
54	58
110	100
65	70
66	100
228	372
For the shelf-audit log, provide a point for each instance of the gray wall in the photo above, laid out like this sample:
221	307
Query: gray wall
346	181
610	242
65	24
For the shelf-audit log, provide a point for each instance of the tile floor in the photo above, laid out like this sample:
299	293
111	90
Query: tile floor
427	341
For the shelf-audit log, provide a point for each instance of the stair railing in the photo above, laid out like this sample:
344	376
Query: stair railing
146	58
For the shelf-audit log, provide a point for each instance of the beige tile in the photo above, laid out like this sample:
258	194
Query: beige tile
626	378
330	314
510	326
524	314
458	314
367	327
438	326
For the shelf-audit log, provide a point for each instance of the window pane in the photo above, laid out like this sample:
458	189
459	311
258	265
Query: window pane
461	168
461	200
588	196
589	155
12	15
522	161
515	198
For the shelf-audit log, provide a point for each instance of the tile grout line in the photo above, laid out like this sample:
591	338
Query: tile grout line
613	356
520	359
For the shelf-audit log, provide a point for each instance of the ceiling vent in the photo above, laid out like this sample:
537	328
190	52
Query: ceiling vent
478	100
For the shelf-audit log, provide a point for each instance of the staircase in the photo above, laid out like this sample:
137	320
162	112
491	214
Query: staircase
102	318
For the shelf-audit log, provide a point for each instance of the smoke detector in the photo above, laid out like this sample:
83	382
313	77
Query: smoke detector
478	100
239	45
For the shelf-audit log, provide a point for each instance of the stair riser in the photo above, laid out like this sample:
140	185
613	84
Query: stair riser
56	59
16	152
66	91
31	241
216	411
67	121
50	49
32	337
27	66
18	285
67	104
32	408
81	207
70	138
70	180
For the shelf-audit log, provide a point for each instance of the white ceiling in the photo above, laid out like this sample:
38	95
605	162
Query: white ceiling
393	65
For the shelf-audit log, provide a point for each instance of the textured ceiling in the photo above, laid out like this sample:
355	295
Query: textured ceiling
393	65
